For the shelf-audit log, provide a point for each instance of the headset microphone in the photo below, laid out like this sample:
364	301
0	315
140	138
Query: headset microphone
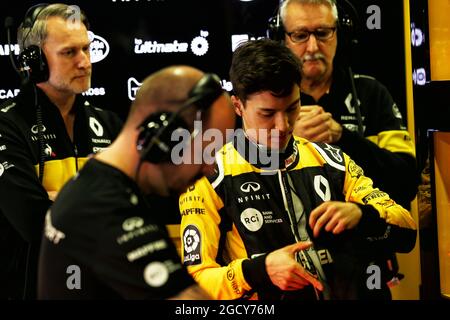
9	22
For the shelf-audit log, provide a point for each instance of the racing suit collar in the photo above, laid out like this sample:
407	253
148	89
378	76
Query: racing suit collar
264	158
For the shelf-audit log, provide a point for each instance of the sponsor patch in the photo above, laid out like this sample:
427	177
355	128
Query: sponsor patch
192	245
230	274
132	223
5	166
189	211
332	155
146	249
252	219
185	198
334	152
96	127
250	186
322	187
35	129
156	274
360	188
374	195
124	238
355	170
231	277
386	203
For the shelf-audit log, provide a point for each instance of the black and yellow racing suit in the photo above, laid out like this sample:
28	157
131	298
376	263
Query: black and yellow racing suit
23	199
231	221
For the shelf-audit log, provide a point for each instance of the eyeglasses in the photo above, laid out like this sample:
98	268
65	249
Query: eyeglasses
321	34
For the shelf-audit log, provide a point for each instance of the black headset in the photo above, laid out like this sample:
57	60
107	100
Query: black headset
347	24
154	142
275	28
32	61
33	64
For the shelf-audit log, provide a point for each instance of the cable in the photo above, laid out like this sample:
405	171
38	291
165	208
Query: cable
27	270
9	22
355	103
350	22
40	135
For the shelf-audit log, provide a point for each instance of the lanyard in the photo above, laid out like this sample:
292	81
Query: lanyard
302	256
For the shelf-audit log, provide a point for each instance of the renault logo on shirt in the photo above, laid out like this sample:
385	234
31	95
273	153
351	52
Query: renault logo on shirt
96	127
250	186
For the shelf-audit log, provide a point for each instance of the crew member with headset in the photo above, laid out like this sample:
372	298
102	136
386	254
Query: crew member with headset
46	134
101	224
352	111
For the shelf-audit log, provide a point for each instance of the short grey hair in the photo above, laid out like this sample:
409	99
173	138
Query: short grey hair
37	34
330	3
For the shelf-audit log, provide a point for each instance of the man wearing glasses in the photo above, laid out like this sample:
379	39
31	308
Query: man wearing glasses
384	148
369	128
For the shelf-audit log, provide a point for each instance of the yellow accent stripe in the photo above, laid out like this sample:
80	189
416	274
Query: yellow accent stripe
438	28
394	141
233	158
58	172
174	234
409	72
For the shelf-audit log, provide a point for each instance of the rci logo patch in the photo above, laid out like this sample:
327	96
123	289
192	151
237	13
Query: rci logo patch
252	219
192	245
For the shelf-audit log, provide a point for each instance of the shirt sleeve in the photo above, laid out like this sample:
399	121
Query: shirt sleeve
203	241
23	200
394	171
384	223
386	153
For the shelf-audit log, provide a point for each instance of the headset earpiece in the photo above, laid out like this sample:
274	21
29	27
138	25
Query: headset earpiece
33	64
32	61
154	141
275	28
206	91
347	31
